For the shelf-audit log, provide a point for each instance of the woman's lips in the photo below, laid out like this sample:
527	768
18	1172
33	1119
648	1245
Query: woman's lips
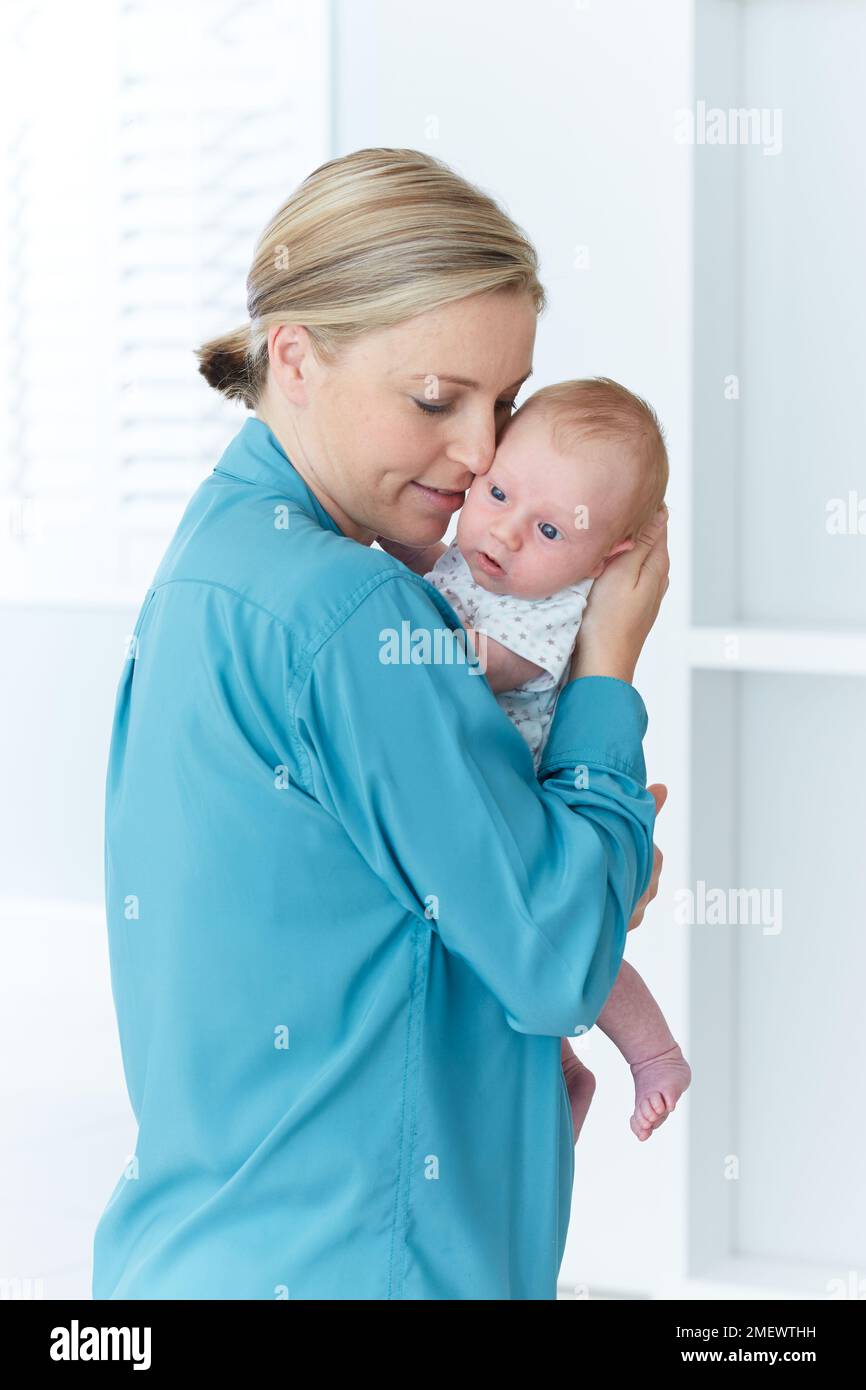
441	498
488	564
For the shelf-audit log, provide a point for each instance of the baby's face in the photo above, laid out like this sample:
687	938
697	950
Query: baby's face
539	521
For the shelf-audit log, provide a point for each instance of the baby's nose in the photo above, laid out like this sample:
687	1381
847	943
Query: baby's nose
506	535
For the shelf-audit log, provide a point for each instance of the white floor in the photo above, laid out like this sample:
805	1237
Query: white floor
67	1125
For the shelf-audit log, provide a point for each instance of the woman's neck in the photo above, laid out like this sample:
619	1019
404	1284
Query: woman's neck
287	436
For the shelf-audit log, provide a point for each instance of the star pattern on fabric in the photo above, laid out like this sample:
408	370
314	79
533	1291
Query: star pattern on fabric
541	630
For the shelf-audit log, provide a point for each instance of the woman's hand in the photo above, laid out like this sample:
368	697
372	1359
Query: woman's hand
660	795
623	606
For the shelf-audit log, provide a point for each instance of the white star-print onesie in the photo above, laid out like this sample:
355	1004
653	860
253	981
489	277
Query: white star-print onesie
542	630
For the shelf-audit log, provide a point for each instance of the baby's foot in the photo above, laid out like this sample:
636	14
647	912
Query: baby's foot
580	1083
658	1084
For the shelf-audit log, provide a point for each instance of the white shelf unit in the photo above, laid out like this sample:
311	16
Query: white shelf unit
777	655
789	650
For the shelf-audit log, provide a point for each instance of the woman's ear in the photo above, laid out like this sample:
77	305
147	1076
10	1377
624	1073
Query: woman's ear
291	357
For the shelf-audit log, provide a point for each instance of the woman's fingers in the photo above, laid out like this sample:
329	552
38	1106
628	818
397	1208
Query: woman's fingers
650	552
652	534
648	560
652	888
653	541
659	793
623	606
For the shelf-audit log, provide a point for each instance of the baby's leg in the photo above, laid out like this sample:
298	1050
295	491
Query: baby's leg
632	1019
580	1083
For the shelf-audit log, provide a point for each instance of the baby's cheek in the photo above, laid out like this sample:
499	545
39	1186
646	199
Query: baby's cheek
467	524
537	574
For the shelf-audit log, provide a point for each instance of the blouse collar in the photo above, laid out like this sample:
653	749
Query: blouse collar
255	455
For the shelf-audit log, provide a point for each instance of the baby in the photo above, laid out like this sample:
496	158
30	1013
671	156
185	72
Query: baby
579	470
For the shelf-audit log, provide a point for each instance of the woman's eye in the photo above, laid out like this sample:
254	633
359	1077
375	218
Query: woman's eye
506	405
497	494
432	409
548	529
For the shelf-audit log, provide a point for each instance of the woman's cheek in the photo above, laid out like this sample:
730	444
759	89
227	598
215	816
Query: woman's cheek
400	442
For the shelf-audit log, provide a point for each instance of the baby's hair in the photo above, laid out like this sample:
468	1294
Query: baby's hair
600	408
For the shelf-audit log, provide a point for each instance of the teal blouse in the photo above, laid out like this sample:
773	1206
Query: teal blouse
347	924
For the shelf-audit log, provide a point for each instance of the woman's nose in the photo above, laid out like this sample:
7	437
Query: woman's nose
474	448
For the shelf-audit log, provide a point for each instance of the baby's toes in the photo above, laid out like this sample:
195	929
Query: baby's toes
652	1106
640	1127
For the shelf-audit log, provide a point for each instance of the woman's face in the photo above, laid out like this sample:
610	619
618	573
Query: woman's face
391	435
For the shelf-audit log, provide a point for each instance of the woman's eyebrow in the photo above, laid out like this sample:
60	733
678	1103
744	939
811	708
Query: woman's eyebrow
464	381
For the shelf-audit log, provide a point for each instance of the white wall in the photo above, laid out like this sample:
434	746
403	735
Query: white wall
565	112
167	135
777	737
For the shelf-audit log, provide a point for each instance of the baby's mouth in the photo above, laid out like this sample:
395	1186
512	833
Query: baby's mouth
489	565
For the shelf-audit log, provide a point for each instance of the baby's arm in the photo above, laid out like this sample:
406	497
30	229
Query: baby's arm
504	669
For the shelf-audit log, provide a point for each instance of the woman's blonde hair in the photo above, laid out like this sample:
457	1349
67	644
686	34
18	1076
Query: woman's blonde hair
367	241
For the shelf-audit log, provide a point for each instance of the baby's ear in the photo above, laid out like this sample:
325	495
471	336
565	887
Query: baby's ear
614	550
618	548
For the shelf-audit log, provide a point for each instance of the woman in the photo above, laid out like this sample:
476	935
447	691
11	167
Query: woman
347	925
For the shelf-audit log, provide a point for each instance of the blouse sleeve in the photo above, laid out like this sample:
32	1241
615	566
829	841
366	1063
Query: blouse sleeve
531	880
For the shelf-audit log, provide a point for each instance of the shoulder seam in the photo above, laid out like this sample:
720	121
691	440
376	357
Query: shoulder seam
349	606
322	634
314	645
226	588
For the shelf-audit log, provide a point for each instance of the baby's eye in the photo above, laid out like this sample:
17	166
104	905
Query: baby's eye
549	530
497	493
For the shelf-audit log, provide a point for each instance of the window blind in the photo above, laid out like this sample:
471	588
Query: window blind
146	150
